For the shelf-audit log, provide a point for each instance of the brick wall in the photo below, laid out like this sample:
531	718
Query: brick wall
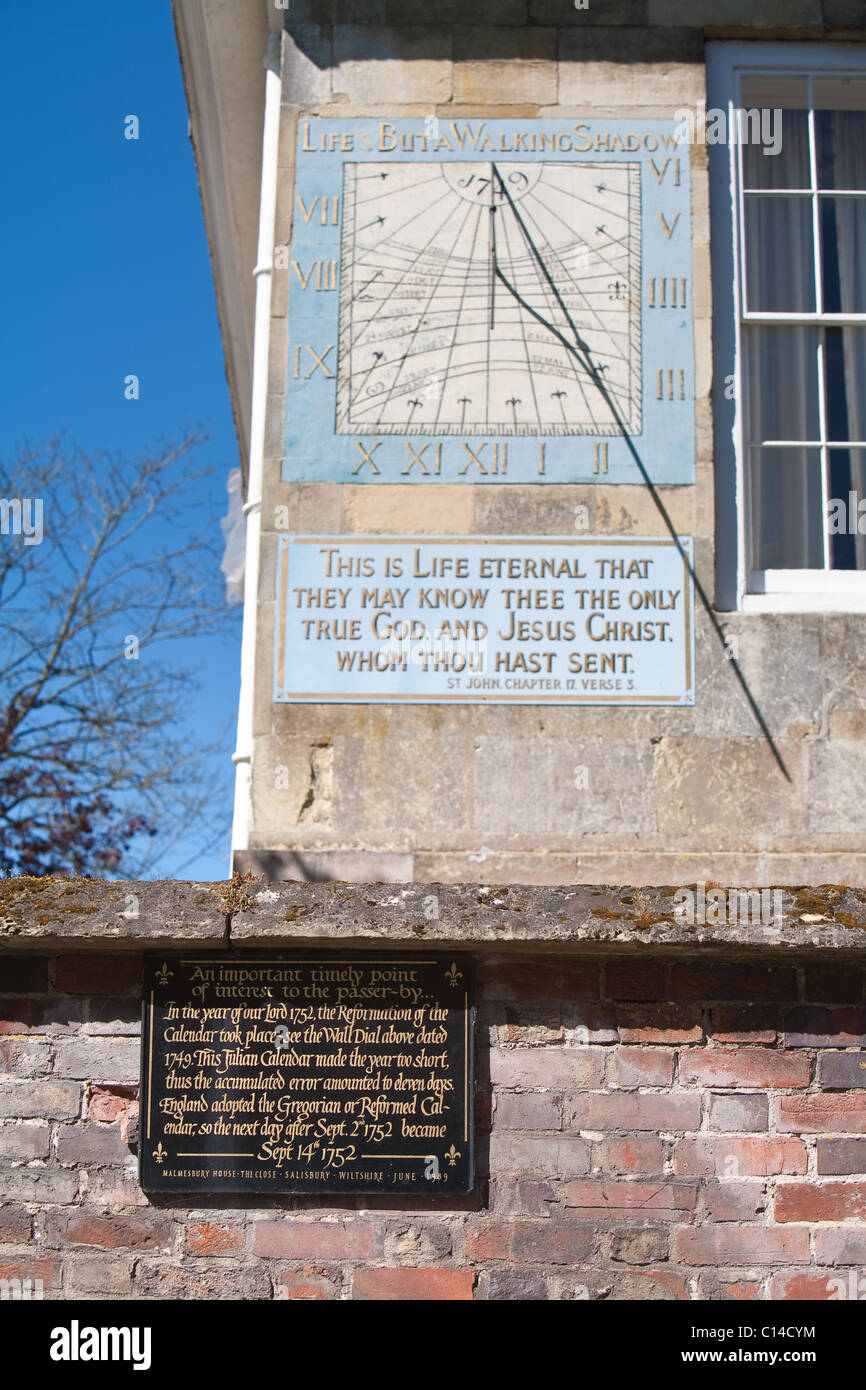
651	1128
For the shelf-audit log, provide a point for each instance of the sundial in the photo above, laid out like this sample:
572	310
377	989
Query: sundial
441	274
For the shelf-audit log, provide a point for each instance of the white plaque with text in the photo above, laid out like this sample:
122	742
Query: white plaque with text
484	619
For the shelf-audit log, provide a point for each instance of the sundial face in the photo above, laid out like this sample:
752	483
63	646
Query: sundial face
458	290
432	342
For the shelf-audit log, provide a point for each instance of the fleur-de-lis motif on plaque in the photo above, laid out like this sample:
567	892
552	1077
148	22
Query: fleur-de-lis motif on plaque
164	975
161	1154
452	1155
453	975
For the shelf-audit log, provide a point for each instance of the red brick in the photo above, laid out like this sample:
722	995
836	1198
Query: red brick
628	979
223	1280
629	1156
840	1245
803	1287
725	1156
746	1025
617	1199
530	1028
23	1267
641	1245
643	1066
530	1242
842	1071
92	974
826	1201
91	1145
816	1027
529	1110
138	1232
413	1285
834	984
821	1114
15	1225
34	1015
734	1200
740	1245
743	1066
109	1103
838	1156
547	1068
309	1286
214	1238
24	974
666	1023
652	1284
521	1197
595	1023
548	1155
741	1291
633	1111
571	980
319	1240
733	980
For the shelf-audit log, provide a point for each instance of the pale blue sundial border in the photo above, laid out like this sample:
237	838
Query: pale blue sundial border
314	450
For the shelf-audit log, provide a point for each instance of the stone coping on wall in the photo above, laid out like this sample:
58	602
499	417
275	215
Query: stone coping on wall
89	913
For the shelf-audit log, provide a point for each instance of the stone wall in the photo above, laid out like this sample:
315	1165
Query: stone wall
668	795
661	1122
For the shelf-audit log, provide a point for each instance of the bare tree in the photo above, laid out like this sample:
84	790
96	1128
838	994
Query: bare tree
109	566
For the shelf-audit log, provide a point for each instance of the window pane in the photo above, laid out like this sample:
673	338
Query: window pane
845	382
786	509
782	375
846	510
840	140
780	272
843	254
789	168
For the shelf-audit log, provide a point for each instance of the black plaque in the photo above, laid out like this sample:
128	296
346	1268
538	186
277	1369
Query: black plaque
308	1072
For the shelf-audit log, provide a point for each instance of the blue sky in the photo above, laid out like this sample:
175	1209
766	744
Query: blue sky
107	273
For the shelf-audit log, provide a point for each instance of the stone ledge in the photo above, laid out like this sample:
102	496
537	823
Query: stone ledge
88	914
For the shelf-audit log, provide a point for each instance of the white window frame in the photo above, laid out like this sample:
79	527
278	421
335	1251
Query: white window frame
769	591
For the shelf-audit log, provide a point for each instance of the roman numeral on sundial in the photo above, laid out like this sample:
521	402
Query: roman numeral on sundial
669	382
669	292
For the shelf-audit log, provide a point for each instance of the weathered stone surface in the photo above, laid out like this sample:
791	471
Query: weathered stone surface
306	65
562	13
727	789
24	1140
845	14
835	801
739	1113
109	912
768	13
576	788
45	1099
505	66
98	1059
380	66
422	915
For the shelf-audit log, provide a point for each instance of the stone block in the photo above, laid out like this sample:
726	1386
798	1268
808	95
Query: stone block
306	65
505	66
391	67
786	14
566	788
